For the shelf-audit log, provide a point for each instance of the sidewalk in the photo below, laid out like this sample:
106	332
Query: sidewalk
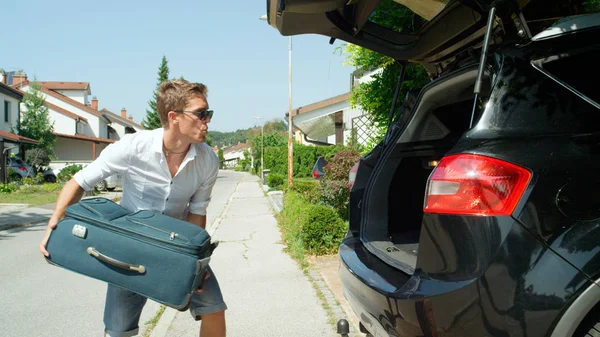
19	215
265	291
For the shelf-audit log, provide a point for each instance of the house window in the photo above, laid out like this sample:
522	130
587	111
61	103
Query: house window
6	111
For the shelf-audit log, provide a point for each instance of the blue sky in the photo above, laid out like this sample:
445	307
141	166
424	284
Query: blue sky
117	47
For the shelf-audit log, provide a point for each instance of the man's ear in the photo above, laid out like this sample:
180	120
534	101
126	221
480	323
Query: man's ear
172	117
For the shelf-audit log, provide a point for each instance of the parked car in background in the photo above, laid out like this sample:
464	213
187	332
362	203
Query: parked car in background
24	170
110	183
477	215
319	169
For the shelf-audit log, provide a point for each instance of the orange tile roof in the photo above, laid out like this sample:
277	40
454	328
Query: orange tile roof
64	111
88	138
65	85
71	101
17	138
119	118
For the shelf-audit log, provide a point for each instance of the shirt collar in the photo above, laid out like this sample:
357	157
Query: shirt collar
158	144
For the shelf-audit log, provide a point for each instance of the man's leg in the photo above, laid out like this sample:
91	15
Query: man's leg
213	325
122	312
210	307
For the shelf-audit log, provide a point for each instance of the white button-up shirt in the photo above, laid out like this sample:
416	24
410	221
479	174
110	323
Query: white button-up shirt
147	182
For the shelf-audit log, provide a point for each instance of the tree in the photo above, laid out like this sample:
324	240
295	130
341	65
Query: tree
221	158
38	159
376	97
35	121
152	121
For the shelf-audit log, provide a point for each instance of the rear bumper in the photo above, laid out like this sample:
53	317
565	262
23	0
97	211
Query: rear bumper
513	296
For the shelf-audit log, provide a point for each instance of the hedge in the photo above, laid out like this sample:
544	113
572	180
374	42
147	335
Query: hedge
311	228
276	158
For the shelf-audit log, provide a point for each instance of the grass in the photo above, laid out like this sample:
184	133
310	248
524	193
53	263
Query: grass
151	323
34	199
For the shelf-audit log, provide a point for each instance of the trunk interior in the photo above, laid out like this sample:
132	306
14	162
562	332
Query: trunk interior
394	197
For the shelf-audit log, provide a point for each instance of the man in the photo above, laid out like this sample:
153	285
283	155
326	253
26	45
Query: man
171	170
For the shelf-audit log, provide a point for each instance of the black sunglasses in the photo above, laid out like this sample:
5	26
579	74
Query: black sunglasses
202	115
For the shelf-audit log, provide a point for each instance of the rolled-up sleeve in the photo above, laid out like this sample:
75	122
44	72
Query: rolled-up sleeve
201	198
113	159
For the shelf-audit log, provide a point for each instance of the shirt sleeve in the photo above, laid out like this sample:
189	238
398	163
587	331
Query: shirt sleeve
115	158
201	198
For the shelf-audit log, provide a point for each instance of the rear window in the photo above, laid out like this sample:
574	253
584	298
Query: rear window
527	102
397	17
541	14
577	71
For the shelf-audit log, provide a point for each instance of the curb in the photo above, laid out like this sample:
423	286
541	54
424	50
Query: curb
335	310
164	323
273	204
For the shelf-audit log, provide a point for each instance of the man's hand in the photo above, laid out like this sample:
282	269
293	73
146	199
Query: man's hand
206	275
70	194
51	226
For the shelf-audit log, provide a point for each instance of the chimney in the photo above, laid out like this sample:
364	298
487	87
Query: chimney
3	76
123	113
131	118
95	103
19	77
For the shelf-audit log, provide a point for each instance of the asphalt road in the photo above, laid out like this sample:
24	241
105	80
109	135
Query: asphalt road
43	300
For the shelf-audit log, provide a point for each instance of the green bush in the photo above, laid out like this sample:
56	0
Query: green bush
305	156
275	180
339	165
13	176
51	187
39	178
68	172
291	218
26	188
335	190
28	181
237	168
8	188
323	231
310	228
336	194
310	189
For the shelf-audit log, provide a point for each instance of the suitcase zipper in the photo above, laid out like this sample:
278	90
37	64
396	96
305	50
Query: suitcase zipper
117	229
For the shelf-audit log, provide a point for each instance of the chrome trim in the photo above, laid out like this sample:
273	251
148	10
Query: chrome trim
573	316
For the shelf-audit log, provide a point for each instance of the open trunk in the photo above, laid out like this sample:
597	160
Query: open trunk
393	211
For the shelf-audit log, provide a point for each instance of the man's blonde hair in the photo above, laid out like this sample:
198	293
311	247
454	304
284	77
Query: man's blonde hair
175	95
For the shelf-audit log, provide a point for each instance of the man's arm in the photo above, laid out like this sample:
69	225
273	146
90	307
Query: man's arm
196	219
70	194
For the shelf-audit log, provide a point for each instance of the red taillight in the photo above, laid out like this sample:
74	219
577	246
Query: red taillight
22	168
352	175
315	174
475	185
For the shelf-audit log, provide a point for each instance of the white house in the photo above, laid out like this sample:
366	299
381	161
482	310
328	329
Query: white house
120	125
333	120
83	131
10	141
233	155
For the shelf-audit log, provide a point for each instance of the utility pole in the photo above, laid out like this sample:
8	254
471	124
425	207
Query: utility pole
290	136
262	149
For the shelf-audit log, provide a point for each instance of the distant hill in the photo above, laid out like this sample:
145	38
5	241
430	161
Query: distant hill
240	136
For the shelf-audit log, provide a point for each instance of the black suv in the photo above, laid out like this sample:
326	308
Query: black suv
478	214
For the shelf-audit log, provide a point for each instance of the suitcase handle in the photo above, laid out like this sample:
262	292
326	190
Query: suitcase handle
114	262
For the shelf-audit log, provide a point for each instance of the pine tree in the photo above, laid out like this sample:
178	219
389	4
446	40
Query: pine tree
35	121
152	121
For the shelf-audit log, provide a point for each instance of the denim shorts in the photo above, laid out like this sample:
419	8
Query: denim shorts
123	308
